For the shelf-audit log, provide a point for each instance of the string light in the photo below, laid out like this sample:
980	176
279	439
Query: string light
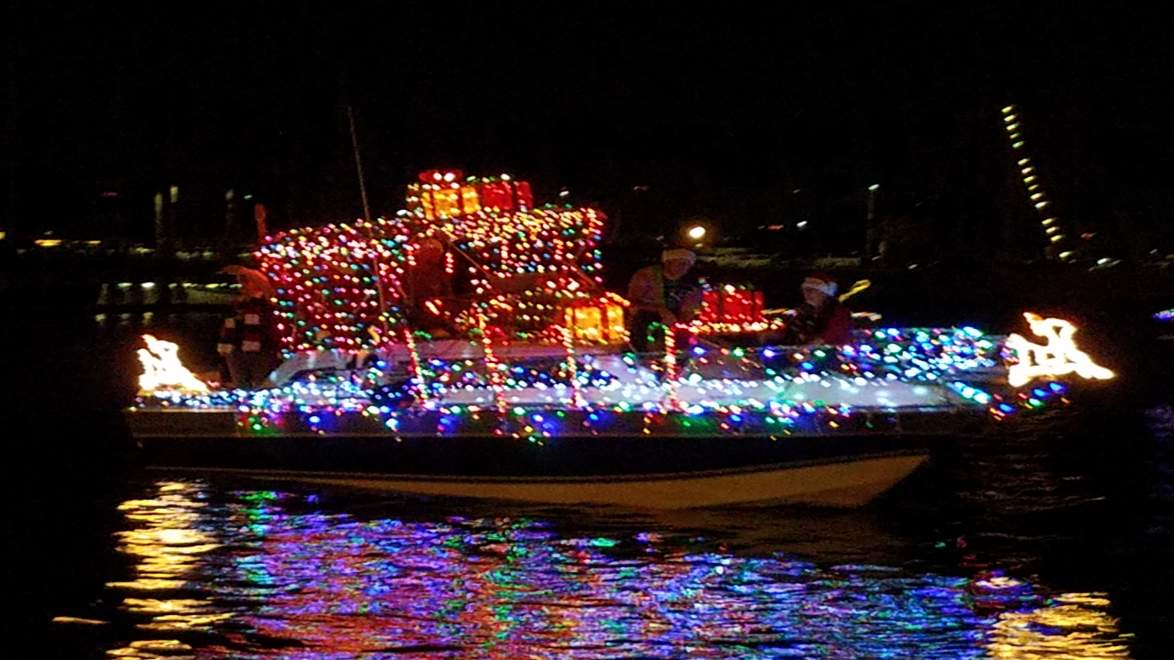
1036	194
705	390
535	279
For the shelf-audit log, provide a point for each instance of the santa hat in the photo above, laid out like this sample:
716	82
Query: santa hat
680	254
820	282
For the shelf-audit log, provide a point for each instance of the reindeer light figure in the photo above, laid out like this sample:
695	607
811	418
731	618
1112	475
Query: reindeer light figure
162	369
1058	357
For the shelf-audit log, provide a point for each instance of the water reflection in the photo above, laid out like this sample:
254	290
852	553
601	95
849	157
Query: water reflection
1072	625
273	572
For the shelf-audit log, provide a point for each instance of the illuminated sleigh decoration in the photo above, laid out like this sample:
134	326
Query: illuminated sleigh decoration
467	255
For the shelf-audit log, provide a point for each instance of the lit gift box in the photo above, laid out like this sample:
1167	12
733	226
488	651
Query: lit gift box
731	304
505	194
597	320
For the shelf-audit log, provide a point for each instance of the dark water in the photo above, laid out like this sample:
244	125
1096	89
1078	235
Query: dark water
1054	537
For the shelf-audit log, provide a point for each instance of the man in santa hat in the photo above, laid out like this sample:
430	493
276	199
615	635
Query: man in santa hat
822	319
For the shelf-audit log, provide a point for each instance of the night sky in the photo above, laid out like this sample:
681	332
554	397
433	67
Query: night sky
723	109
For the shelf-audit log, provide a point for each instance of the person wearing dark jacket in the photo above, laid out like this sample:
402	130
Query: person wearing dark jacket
248	340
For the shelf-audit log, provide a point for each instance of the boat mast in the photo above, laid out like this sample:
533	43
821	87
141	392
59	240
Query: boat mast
385	335
359	165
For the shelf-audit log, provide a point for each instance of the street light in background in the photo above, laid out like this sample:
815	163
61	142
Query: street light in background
697	232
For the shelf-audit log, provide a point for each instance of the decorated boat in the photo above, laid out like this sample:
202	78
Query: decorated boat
467	348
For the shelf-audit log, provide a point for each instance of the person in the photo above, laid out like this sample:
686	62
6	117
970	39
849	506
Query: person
822	319
248	341
429	289
662	293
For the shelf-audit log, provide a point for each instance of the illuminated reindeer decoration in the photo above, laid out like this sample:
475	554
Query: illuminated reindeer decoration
1058	357
162	369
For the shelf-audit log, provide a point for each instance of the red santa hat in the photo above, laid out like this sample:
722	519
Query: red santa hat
820	282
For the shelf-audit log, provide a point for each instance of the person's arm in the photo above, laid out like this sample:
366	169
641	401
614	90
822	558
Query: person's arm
690	304
642	292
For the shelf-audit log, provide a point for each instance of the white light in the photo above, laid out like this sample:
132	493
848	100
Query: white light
801	224
1017	145
874	187
1059	356
697	232
162	369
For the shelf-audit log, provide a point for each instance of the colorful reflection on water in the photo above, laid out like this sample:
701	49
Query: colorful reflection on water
274	573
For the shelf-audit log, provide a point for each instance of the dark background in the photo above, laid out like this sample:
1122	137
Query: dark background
723	110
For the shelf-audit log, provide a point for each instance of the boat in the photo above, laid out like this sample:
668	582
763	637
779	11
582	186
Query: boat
515	382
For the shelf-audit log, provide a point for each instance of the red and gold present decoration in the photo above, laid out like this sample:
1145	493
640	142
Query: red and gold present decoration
599	320
731	304
447	194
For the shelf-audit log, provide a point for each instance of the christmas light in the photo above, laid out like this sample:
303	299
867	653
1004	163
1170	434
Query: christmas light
162	369
526	267
1058	357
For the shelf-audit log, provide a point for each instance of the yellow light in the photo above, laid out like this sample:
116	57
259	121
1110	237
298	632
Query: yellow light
1036	196
1070	625
1057	238
697	232
1040	205
1008	110
1066	254
1012	127
1017	145
162	369
1024	161
47	242
1058	357
3	235
1010	118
